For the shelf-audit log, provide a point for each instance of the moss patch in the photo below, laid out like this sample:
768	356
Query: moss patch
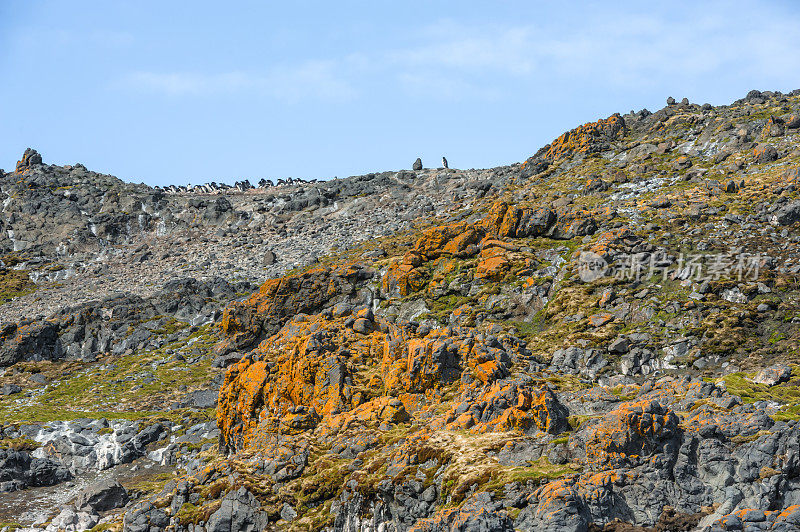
14	283
787	393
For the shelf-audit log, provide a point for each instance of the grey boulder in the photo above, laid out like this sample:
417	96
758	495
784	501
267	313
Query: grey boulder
773	375
239	512
102	496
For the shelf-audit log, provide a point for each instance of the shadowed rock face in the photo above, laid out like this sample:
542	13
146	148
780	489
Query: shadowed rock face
602	338
18	470
118	324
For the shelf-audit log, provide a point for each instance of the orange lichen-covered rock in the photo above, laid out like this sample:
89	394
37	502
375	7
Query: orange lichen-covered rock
508	221
494	217
775	127
457	239
488	371
595	184
418	364
534	222
508	227
632	432
560	501
470	516
589	138
464	240
600	319
291	381
432	242
487	362
614	240
264	312
572	222
492	268
465	243
379	410
463	315
511	406
402	279
315	369
19	342
412	259
765	153
492	247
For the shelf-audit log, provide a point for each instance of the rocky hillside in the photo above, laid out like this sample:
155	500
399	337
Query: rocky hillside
79	235
603	337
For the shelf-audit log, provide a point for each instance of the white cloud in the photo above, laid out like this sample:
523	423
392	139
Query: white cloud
610	49
504	51
602	49
312	79
180	83
446	87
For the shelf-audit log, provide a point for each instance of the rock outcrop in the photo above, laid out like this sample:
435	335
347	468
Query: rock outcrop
602	338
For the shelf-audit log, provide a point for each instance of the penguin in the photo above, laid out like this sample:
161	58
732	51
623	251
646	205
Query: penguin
444	162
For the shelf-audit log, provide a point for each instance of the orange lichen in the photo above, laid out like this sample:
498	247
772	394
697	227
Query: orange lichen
432	242
492	267
588	138
523	408
379	410
264	312
633	430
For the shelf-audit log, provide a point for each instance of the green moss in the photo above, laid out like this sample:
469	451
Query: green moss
536	472
323	479
529	329
107	527
19	444
495	478
134	386
151	485
199	445
189	513
15	283
317	518
170	327
787	393
215	490
396	433
750	438
617	390
575	421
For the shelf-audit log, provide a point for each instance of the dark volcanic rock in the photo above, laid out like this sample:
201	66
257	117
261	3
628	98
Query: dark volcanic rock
102	496
18	470
29	159
788	214
116	324
239	511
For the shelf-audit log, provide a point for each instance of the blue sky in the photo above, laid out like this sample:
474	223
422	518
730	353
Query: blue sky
189	92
